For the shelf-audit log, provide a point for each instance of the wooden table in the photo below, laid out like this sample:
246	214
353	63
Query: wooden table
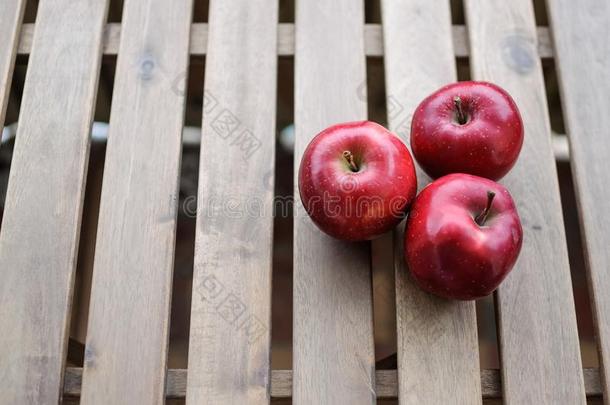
125	359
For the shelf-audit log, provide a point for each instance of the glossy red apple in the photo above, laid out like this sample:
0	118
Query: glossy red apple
356	180
467	127
463	236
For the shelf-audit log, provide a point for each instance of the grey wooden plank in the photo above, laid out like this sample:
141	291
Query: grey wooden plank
373	40
11	16
539	346
40	229
230	336
128	326
332	325
581	36
438	352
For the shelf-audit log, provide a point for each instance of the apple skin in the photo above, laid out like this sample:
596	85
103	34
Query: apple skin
447	252
364	204
487	145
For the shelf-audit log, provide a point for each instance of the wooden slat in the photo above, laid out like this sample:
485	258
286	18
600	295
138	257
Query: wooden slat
126	351
333	327
537	323
386	383
437	342
11	16
373	40
229	350
39	238
582	42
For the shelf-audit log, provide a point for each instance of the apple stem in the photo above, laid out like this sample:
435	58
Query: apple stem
461	117
350	160
480	219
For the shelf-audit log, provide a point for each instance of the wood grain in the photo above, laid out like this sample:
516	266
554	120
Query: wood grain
438	353
373	40
40	229
11	16
386	384
581	33
127	336
332	324
539	346
230	337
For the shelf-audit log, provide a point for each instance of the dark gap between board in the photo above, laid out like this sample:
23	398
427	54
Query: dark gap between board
200	11
31	10
382	249
184	254
284	200
286	11
115	11
91	204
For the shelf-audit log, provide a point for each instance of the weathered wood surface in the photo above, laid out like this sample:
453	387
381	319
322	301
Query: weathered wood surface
373	40
11	16
386	383
128	329
539	346
582	41
40	229
505	47
437	342
230	337
333	325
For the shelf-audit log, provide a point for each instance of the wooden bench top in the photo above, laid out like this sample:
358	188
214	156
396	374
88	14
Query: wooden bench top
125	355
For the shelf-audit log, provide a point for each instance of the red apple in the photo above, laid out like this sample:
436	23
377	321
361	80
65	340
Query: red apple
467	127
356	180
463	236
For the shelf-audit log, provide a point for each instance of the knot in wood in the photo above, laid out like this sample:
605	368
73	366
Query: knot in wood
147	67
519	53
